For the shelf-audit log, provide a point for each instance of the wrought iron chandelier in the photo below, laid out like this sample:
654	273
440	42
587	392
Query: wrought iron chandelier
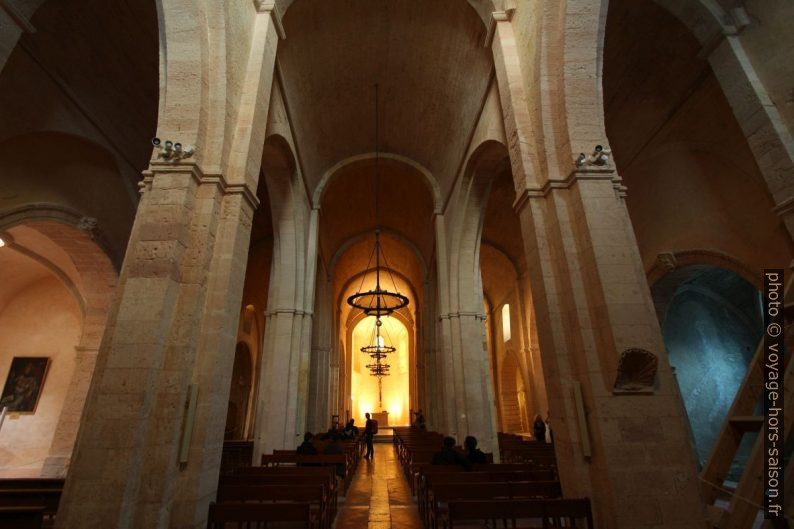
377	350
378	301
377	347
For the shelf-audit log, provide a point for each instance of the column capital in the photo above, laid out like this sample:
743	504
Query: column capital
270	7
505	15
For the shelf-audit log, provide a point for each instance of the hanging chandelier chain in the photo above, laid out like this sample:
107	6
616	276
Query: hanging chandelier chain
378	302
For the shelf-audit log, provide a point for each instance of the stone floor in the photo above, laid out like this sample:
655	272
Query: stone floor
379	496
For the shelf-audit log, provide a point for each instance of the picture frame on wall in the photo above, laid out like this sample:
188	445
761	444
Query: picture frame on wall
24	383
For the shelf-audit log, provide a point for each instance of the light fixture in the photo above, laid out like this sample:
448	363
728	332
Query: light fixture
2	243
377	347
377	350
378	301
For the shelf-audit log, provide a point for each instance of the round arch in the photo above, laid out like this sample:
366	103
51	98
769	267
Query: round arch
427	176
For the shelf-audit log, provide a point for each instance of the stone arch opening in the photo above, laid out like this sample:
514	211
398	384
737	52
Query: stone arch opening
54	272
674	144
711	323
405	218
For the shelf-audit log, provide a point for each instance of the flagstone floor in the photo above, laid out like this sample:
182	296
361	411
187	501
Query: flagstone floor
379	496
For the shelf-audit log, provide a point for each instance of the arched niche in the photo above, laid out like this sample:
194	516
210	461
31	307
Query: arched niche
54	302
711	324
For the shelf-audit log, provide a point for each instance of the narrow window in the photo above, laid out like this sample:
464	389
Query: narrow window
506	322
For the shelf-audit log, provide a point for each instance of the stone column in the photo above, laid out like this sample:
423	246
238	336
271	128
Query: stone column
592	303
629	451
767	134
284	378
323	361
466	367
442	410
173	326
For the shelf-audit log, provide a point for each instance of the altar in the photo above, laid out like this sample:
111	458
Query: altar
382	417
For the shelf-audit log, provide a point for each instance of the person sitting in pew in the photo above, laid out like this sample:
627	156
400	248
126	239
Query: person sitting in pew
307	447
475	455
449	456
351	430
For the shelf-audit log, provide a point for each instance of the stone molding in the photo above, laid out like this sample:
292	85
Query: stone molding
582	173
458	315
200	177
296	312
785	208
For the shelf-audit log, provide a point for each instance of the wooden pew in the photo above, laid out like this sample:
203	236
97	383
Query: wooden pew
22	517
443	493
16	493
312	495
572	514
228	488
327	473
284	458
435	474
259	515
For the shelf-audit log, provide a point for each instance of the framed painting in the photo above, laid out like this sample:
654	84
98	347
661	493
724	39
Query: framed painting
23	385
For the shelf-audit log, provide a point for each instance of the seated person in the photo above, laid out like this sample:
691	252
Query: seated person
475	455
420	420
351	430
449	456
307	447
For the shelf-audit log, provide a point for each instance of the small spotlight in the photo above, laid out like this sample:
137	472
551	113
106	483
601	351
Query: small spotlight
2	243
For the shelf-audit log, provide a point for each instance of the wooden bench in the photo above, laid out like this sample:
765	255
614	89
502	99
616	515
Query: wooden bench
441	494
522	514
259	515
31	517
335	460
26	493
313	495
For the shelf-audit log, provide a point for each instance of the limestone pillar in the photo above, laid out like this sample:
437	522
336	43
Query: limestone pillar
631	454
173	326
767	134
324	362
139	461
283	384
464	359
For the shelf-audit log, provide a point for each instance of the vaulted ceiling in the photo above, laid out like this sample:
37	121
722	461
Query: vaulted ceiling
431	66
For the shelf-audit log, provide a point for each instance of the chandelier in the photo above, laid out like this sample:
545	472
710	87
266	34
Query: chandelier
378	301
377	350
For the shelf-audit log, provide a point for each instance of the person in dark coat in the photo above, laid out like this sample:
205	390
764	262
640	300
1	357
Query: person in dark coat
475	455
369	434
351	430
307	447
539	429
449	456
420	420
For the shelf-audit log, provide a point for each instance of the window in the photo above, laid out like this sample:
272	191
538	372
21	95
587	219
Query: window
506	322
